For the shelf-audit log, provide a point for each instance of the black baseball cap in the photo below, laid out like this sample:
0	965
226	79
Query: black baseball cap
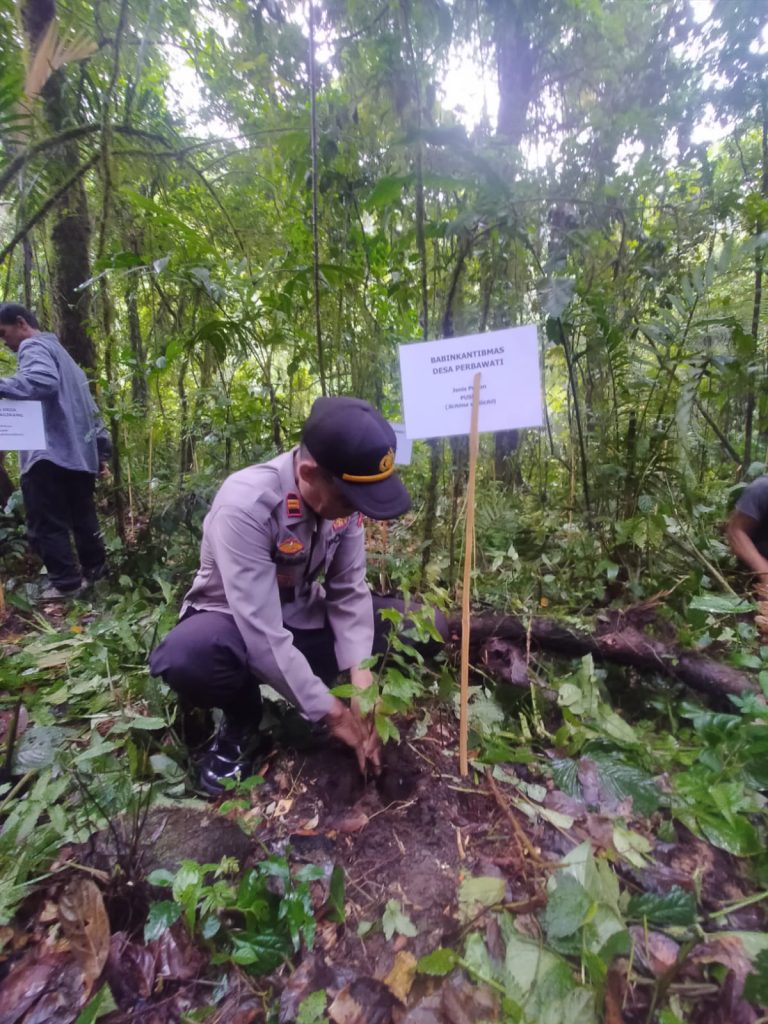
353	442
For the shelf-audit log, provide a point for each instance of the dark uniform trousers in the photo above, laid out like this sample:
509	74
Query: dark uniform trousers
58	503
204	659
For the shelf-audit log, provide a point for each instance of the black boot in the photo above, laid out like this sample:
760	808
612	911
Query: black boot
229	756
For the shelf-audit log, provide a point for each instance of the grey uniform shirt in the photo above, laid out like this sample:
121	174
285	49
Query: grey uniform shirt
74	434
753	502
262	552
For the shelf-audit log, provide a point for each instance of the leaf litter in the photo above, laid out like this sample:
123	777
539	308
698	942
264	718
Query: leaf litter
567	886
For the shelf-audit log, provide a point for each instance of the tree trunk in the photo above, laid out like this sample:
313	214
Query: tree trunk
6	484
622	645
71	231
138	370
515	61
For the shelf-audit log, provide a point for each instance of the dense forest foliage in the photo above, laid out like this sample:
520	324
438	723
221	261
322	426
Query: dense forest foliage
225	210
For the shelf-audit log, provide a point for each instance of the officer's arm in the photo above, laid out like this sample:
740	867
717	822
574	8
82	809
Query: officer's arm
348	599
37	376
242	546
740	531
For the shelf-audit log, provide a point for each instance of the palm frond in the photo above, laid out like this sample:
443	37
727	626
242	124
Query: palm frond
53	53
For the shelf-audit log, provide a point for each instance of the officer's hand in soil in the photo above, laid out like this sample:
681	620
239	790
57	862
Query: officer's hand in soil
346	726
362	678
761	596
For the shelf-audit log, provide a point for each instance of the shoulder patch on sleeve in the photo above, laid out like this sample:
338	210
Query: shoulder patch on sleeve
292	505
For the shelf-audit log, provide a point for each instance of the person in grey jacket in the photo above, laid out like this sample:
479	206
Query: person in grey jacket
257	611
58	481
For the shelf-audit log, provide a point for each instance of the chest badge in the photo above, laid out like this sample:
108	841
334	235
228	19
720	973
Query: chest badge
290	546
340	523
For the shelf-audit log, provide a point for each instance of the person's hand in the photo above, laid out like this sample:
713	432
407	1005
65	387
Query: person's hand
761	596
345	725
362	678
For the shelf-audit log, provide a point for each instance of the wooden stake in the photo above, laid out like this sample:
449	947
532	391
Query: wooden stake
469	550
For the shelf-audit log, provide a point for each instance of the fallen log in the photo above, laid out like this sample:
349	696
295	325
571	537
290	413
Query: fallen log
621	645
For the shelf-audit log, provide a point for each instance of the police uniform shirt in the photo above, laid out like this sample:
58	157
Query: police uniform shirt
262	552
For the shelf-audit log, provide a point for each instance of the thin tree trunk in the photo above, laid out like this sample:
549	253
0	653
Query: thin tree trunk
70	237
757	296
138	370
114	424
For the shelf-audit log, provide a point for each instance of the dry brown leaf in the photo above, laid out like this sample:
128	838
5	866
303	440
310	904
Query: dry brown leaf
352	822
364	1001
344	1009
656	952
400	978
85	924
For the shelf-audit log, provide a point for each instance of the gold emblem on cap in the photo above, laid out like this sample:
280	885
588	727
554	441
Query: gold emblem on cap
386	468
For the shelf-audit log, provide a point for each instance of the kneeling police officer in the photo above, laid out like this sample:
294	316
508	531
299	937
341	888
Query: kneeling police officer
257	611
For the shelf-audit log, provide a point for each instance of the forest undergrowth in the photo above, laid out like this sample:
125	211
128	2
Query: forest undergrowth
604	860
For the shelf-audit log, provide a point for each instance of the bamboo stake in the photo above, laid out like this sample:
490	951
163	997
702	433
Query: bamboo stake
149	469
469	548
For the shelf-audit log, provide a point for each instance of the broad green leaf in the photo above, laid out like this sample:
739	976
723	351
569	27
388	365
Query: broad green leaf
737	836
161	877
439	963
312	1009
623	780
387	190
484	891
161	916
187	879
720	604
567	908
676	907
336	895
477	960
261	952
527	963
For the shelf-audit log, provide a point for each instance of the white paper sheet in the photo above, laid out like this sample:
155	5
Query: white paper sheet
437	381
21	426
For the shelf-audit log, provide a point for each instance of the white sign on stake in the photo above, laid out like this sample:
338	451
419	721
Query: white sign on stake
404	448
437	382
21	426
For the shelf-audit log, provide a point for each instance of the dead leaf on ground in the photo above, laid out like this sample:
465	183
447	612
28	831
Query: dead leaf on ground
240	1005
130	970
400	978
654	951
8	715
728	950
310	976
352	822
85	924
62	1003
365	1001
175	957
36	979
615	989
463	1002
